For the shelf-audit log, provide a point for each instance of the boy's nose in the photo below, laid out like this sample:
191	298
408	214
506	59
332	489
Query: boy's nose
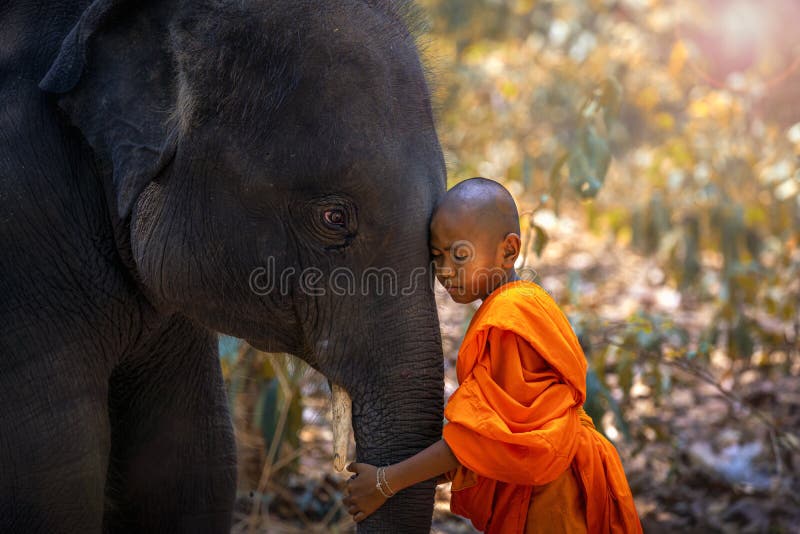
445	272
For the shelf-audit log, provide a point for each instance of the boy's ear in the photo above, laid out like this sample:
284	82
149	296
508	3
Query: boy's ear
511	249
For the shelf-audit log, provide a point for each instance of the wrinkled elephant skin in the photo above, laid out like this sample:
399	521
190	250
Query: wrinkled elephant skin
170	170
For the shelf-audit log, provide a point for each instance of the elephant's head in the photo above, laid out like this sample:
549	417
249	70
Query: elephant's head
274	165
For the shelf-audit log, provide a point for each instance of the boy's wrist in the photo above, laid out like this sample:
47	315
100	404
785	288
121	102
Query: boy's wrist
394	478
382	484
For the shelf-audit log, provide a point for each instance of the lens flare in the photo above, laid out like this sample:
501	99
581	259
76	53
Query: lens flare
741	42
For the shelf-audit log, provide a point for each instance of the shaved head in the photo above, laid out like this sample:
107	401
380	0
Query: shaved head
484	201
475	239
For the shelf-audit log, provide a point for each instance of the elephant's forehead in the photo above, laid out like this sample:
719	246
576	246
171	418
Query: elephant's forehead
342	51
355	91
332	80
325	93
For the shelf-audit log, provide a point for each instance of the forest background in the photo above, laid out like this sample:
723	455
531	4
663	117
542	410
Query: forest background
653	148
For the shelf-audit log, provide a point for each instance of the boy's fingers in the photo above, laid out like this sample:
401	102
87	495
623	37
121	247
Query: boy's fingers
354	467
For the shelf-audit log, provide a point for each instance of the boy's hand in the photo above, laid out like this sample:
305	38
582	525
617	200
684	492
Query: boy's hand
363	497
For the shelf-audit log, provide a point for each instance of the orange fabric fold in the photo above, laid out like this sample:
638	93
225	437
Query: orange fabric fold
516	424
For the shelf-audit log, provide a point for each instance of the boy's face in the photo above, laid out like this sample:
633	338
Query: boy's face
469	260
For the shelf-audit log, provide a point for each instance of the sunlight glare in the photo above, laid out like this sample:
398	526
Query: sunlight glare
743	25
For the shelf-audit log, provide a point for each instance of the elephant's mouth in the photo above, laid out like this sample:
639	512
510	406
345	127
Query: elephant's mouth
342	411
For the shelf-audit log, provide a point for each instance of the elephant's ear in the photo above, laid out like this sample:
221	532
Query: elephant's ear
116	82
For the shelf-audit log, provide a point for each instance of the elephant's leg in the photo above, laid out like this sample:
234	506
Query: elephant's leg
54	444
173	456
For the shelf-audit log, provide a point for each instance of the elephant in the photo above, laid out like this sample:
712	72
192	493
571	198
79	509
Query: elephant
174	170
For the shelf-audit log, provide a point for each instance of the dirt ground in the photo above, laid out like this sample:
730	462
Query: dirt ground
697	461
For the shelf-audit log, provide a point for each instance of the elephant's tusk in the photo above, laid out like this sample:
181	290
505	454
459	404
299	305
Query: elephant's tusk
342	408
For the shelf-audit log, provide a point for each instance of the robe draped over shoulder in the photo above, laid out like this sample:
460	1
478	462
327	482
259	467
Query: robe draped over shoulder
516	422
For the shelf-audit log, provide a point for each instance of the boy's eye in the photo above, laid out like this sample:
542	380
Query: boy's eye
462	251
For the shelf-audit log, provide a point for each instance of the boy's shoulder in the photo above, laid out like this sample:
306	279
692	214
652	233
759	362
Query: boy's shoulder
520	293
529	312
517	305
518	289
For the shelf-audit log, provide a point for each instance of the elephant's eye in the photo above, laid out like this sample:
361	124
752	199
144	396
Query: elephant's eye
331	219
335	217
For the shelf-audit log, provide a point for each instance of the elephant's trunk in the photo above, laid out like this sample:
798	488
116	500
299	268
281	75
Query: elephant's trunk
397	414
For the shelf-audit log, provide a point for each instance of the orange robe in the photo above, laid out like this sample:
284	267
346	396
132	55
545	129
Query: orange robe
531	459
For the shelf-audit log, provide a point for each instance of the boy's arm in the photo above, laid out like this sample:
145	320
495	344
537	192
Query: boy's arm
426	464
363	496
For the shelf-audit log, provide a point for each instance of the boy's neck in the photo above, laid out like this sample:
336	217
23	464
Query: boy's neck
511	276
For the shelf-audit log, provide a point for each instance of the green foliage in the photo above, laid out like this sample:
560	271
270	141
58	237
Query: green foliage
590	155
267	415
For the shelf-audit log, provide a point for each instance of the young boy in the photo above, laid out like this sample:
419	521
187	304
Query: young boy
520	451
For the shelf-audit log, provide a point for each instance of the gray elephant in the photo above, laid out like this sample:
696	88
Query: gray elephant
173	169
